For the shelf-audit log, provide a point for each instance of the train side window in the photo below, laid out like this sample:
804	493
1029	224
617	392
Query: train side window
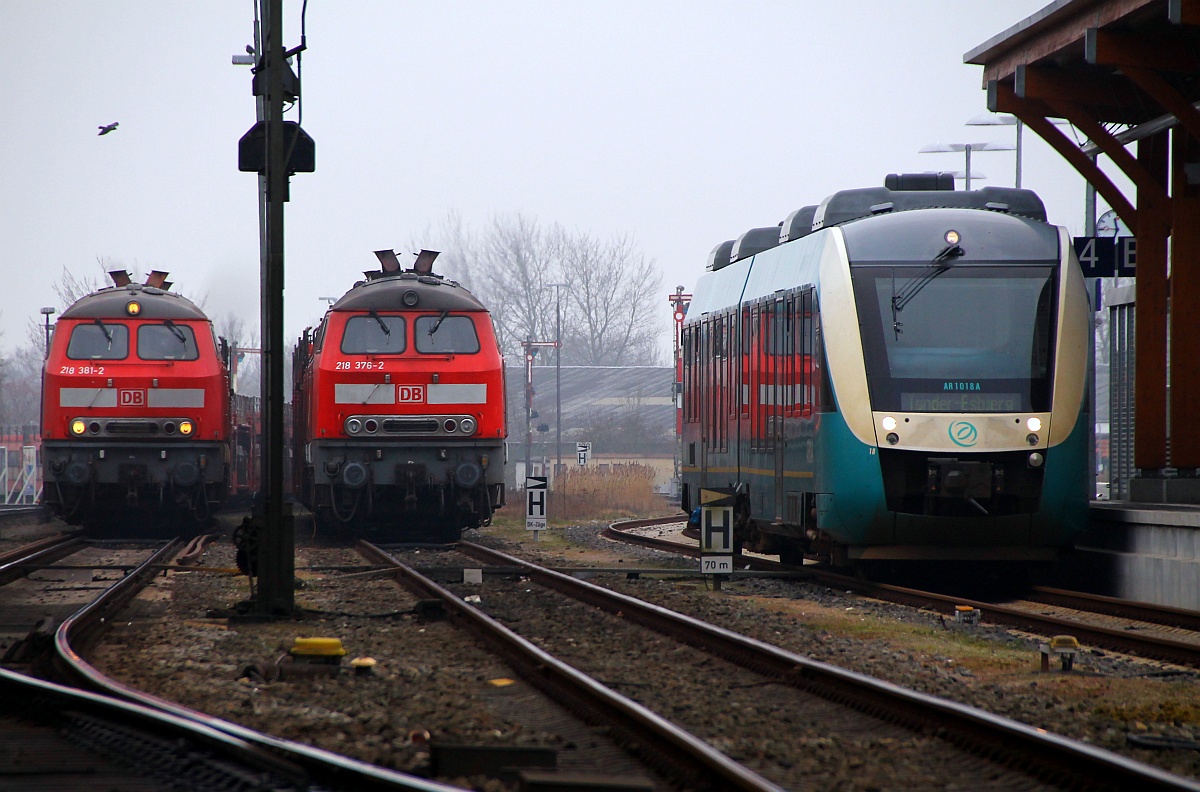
96	342
373	334
166	342
443	334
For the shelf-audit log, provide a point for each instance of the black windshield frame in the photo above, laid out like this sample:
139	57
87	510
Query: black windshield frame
89	342
162	342
363	335
977	339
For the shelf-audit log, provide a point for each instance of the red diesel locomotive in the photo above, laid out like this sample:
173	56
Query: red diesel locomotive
135	406
399	407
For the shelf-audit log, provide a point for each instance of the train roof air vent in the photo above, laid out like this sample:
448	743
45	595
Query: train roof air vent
719	257
753	242
799	223
847	205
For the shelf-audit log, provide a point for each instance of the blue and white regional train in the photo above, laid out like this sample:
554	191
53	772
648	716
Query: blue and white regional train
897	374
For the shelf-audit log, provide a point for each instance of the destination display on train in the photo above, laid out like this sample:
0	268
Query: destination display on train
966	401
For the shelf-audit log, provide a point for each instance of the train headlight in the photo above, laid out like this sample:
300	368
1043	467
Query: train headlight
1031	438
410	298
353	426
952	237
133	307
467	426
78	427
450	425
371	425
1036	460
1034	424
893	438
889	423
186	428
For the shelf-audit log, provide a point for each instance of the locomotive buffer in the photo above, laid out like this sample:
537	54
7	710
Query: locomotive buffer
716	534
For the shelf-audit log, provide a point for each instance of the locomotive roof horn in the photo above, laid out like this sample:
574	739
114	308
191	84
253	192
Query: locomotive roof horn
120	277
387	258
424	263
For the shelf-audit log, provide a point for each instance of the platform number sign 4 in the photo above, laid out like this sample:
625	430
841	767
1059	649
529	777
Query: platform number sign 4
535	503
716	531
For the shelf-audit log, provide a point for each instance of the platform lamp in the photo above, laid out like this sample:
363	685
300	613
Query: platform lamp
931	148
48	312
1003	119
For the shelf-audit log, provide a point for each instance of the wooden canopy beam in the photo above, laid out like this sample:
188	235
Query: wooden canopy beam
1114	99
1003	99
1165	94
1166	53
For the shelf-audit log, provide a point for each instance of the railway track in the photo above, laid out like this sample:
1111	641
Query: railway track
100	728
1046	757
1167	634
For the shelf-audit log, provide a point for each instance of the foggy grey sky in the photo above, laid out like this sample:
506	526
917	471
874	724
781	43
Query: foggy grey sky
680	123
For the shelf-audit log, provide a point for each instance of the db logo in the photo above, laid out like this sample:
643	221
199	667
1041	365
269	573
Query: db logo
131	398
409	394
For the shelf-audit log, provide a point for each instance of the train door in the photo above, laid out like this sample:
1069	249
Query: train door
783	362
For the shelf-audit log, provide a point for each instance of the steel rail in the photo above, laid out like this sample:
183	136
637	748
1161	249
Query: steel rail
1068	762
672	750
18	562
1143	645
1121	608
78	633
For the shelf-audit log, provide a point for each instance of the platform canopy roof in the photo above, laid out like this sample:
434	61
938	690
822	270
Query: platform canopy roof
1118	70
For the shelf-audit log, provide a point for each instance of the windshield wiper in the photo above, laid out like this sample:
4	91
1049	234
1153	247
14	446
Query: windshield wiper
107	333
382	324
941	262
178	333
438	323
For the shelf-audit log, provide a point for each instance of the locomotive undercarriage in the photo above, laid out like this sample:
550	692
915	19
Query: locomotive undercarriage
430	491
85	485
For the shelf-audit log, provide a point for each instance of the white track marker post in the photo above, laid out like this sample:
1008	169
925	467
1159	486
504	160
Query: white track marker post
716	534
535	504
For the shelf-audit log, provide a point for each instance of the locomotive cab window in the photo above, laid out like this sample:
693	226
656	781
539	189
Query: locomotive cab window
374	334
99	341
445	334
167	341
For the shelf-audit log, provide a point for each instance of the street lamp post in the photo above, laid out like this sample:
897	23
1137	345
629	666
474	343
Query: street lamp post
1003	119
47	312
967	148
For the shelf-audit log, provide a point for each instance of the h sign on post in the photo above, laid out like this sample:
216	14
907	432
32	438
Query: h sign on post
716	531
535	503
584	452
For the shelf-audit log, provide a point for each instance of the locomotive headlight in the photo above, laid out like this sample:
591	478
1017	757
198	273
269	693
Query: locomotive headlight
467	426
133	307
1034	424
1031	438
1036	460
353	426
186	428
952	237
889	423
893	438
78	427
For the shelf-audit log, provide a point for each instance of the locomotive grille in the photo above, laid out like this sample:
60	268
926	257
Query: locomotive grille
130	427
410	426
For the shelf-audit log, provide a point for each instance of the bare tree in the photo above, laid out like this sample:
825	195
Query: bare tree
515	267
611	293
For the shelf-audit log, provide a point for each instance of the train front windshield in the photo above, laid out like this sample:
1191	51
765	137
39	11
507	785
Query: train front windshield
959	338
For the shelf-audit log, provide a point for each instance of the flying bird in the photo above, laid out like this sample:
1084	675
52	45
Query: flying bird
104	130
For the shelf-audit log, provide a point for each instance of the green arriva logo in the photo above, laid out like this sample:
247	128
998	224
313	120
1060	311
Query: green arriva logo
963	433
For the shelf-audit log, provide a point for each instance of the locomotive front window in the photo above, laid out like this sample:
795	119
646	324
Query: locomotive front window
972	338
374	334
446	335
167	341
99	341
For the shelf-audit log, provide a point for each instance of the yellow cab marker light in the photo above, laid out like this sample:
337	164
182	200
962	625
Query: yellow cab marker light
133	307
